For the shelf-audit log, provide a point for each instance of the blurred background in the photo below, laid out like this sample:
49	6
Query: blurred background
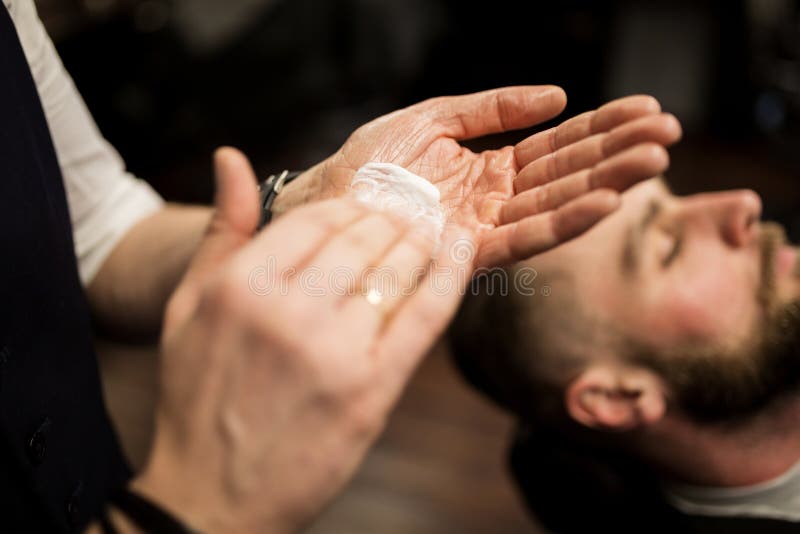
287	81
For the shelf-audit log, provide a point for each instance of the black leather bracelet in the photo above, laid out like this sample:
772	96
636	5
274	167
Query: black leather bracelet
269	190
146	515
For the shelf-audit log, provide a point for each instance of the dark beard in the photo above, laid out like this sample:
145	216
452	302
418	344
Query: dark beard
724	385
715	387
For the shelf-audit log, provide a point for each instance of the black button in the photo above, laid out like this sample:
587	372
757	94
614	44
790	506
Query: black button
72	507
37	444
73	510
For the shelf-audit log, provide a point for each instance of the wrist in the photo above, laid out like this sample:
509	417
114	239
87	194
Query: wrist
181	496
199	509
298	192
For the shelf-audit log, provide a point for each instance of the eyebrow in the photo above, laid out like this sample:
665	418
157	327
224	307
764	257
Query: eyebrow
632	249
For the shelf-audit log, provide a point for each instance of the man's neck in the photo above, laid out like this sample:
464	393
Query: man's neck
754	452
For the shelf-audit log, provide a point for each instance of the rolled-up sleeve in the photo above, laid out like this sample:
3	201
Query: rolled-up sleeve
105	201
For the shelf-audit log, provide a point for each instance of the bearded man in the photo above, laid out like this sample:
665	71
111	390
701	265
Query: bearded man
670	337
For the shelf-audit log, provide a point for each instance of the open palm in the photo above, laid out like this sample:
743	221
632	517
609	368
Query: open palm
518	200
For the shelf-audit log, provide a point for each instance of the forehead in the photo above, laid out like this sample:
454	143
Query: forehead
592	260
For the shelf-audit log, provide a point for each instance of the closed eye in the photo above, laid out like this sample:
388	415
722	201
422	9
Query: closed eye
674	251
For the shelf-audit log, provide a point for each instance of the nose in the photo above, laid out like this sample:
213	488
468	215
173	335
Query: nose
734	213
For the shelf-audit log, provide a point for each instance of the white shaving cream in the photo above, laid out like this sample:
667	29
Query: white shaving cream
385	186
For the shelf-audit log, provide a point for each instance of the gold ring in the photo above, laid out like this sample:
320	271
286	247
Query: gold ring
374	297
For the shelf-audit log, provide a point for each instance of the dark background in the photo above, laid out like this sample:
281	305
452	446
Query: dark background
288	80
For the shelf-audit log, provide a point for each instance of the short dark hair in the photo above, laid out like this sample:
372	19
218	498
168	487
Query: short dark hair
521	350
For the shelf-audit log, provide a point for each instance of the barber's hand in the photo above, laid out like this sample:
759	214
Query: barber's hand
271	397
519	200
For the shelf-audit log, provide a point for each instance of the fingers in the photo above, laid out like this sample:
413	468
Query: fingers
618	172
422	317
343	259
294	239
663	129
494	111
600	120
384	285
536	234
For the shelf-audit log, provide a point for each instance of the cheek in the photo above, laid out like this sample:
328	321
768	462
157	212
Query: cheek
714	302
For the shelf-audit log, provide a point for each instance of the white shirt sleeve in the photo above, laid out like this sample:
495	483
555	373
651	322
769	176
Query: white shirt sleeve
105	201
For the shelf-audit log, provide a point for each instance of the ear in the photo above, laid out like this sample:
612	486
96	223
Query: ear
616	398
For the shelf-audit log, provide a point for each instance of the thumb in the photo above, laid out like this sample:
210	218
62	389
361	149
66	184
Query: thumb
236	199
235	219
496	110
236	210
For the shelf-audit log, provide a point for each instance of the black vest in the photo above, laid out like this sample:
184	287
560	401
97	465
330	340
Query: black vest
59	457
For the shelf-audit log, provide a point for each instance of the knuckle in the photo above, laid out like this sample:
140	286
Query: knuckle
502	109
295	347
653	152
224	294
289	332
553	166
554	136
340	380
543	199
363	416
605	144
356	240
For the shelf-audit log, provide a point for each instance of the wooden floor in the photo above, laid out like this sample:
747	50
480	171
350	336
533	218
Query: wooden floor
439	467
